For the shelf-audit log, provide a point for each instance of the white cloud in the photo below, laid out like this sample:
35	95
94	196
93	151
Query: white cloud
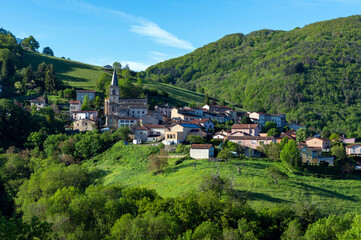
138	25
133	65
158	56
152	30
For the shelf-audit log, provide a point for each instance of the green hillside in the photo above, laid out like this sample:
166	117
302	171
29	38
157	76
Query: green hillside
80	75
127	165
75	74
313	74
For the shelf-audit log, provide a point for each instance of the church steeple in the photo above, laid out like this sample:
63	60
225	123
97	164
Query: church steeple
114	79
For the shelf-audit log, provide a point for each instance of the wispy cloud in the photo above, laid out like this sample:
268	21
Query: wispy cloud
138	25
152	30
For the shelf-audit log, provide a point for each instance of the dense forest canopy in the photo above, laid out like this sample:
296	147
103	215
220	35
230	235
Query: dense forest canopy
313	74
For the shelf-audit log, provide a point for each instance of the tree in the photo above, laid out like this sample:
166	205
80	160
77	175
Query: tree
302	134
334	136
290	156
103	82
276	174
30	43
269	125
86	104
48	51
273	132
273	150
117	65
193	139
225	154
339	152
206	99
158	162
246	120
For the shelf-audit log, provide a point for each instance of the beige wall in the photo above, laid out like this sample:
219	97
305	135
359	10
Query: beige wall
250	131
201	153
84	125
356	150
316	142
251	143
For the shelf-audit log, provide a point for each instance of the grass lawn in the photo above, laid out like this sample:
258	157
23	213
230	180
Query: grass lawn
127	165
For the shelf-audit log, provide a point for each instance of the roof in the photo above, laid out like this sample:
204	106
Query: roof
244	126
313	149
201	146
283	135
128	118
189	125
86	91
114	79
75	101
323	139
141	128
84	111
153	126
195	121
258	138
38	99
353	145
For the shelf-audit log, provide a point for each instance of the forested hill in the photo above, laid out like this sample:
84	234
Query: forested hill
312	73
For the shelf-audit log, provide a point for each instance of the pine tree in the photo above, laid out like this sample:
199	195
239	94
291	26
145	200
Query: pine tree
206	99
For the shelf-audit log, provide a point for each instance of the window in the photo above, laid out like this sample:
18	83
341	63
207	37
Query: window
239	142
253	142
113	92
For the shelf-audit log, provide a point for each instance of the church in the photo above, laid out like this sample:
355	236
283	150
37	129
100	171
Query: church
116	108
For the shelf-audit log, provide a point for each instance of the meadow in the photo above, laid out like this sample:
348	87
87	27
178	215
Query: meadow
128	165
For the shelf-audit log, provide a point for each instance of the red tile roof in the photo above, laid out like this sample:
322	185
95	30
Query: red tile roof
200	120
201	146
353	145
244	126
74	101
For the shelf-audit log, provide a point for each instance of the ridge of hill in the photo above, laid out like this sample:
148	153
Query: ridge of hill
81	75
313	74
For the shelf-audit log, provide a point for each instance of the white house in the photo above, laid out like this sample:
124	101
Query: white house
201	151
127	121
353	150
206	123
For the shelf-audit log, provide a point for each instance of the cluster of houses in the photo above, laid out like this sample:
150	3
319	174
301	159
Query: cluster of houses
174	125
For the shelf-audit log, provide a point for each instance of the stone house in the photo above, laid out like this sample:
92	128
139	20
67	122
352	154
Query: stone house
205	123
80	94
91	115
250	129
39	102
353	150
313	155
262	118
163	110
127	121
75	105
201	151
181	131
84	125
149	120
322	143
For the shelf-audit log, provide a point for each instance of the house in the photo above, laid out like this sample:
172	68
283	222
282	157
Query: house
218	117
250	129
181	131
127	121
157	130
75	105
221	135
91	115
201	151
216	108
251	141
84	125
149	120
347	140
141	133
205	123
38	102
322	143
80	94
185	114
353	150
262	118
296	126
163	110
313	155
284	135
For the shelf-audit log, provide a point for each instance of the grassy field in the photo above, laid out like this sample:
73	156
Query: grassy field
80	75
128	165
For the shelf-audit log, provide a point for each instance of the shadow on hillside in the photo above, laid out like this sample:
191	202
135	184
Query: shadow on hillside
180	166
253	196
71	78
324	192
98	173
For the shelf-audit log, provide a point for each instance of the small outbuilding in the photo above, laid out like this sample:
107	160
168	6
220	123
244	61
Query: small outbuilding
201	151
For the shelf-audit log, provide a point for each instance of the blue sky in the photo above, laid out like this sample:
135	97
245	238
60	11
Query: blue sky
142	33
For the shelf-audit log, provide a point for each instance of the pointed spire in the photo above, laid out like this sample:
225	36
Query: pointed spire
114	79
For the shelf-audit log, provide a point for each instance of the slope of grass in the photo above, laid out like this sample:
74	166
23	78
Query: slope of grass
127	165
80	75
74	73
